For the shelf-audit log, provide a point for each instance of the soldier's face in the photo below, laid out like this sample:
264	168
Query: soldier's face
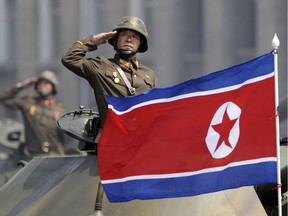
128	40
45	88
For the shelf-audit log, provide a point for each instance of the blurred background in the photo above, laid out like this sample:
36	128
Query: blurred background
187	39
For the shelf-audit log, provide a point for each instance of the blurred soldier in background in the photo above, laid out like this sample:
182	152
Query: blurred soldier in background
39	112
120	76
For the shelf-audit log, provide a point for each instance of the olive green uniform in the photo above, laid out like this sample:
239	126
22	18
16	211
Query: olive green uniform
103	76
42	136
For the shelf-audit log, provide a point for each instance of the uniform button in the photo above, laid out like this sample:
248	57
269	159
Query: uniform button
116	80
135	75
45	147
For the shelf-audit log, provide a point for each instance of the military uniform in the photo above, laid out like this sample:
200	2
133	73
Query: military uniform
42	136
103	76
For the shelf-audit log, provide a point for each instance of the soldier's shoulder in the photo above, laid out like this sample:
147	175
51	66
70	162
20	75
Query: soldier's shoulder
144	67
29	96
59	104
100	59
147	69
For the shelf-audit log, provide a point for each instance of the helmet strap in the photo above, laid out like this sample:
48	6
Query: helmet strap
126	54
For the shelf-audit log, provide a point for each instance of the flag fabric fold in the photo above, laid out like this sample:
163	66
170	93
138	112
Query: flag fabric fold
204	135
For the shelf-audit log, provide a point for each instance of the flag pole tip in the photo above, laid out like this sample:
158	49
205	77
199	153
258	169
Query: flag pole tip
275	42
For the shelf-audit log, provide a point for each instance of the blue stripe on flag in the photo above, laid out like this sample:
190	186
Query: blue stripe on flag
235	75
229	178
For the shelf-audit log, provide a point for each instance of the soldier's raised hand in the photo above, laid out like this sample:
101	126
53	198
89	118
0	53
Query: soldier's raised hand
29	82
102	38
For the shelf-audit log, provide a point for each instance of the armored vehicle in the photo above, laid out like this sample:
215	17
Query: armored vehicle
70	185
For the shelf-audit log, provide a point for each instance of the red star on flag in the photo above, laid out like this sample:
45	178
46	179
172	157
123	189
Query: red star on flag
223	129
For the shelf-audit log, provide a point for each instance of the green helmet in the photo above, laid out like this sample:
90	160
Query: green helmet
135	24
50	77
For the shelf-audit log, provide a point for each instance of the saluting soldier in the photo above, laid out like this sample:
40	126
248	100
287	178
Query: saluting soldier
120	76
39	112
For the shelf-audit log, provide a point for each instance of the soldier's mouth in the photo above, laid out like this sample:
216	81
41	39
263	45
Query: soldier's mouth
128	46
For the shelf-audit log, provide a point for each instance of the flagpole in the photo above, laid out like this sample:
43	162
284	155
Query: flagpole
275	45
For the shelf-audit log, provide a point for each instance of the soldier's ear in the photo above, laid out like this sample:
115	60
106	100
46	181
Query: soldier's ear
140	44
115	41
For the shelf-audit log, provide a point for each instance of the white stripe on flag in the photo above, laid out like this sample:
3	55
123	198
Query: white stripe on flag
185	174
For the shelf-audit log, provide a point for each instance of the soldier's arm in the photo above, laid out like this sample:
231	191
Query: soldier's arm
10	93
8	96
74	58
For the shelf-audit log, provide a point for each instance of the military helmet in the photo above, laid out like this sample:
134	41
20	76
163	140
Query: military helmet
50	77
135	24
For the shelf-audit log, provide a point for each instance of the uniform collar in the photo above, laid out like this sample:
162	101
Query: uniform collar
47	101
127	62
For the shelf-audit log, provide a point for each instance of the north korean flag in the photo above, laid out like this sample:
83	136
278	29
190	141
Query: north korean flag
207	134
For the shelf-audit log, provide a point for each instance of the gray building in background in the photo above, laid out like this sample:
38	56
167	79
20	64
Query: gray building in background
187	38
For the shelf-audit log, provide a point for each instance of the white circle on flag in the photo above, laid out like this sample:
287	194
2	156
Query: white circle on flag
218	147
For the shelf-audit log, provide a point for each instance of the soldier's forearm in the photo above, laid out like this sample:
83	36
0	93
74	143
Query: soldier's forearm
74	57
11	92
